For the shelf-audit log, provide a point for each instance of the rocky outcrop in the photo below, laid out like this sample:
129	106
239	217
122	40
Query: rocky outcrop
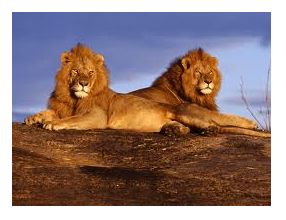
108	167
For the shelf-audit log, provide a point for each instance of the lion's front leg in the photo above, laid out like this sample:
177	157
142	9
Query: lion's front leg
78	122
56	125
234	120
67	123
217	118
41	117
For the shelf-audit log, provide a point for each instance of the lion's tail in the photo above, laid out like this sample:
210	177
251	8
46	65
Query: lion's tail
236	130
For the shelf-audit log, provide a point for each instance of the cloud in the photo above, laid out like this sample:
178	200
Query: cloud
256	100
129	40
128	59
50	26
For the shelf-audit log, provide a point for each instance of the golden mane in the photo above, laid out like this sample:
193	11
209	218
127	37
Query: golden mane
61	99
173	78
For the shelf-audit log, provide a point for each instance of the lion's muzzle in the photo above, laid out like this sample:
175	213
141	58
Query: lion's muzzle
206	87
81	89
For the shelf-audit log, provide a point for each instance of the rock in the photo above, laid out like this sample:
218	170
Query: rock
112	167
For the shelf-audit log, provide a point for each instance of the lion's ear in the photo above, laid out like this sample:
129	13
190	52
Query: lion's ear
186	63
66	58
214	61
100	57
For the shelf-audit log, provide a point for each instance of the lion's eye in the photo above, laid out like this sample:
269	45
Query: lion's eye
91	73
74	72
197	73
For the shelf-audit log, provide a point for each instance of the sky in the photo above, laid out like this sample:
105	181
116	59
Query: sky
138	47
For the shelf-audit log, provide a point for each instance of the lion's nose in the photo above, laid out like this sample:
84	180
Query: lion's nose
83	82
208	81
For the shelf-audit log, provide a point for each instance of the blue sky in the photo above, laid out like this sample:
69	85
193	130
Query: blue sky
138	47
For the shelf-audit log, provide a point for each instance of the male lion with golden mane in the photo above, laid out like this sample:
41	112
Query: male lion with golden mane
192	83
83	100
192	78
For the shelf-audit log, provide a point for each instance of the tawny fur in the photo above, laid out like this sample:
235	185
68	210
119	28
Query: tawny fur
102	108
181	80
62	100
179	86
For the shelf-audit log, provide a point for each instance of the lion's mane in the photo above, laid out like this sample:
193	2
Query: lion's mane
181	82
61	100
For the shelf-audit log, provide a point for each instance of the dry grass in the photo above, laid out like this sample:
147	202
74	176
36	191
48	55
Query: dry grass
265	110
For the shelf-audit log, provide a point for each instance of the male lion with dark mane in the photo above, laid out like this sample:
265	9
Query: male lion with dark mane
83	100
192	83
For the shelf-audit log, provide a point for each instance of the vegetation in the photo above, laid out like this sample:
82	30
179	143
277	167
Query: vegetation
265	111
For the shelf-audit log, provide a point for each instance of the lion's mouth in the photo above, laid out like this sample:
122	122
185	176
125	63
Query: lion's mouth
81	94
206	91
80	91
206	88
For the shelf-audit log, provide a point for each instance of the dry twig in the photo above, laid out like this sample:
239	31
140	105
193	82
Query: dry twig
266	114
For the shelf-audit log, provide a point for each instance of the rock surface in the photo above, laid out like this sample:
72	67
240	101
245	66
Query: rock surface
108	167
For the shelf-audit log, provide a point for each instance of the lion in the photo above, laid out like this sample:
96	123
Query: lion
83	100
193	82
192	78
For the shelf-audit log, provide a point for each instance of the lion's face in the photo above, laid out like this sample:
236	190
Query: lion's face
82	69
204	78
82	77
201	76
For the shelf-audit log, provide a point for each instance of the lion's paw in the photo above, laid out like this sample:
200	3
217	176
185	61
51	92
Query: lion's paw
211	130
245	123
53	127
251	124
34	119
254	125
